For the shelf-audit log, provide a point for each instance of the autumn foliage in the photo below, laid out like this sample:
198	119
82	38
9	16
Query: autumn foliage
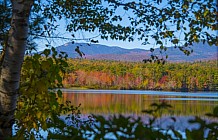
96	74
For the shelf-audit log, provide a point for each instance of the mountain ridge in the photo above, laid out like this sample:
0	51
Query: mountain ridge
97	51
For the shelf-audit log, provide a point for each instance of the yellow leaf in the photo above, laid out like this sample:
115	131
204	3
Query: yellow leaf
206	13
38	115
35	126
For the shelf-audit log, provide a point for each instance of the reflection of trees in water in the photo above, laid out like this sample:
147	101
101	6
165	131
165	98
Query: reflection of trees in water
134	104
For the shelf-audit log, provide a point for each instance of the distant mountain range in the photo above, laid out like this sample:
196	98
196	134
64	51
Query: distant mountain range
96	51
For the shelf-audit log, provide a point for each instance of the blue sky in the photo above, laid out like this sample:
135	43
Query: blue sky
124	44
109	42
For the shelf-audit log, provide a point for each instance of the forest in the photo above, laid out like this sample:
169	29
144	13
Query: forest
105	74
28	96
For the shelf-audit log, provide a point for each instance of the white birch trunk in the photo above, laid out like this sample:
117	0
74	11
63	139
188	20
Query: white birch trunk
11	65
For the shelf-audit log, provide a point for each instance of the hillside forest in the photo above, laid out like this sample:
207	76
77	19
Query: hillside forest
105	74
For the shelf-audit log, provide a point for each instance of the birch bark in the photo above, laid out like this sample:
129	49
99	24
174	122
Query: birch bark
11	64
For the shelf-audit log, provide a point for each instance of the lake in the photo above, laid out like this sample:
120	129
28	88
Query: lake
185	105
132	102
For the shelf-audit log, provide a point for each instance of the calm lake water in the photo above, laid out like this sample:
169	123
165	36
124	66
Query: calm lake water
132	102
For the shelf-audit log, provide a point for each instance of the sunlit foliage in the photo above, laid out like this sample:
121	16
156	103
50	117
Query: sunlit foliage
131	75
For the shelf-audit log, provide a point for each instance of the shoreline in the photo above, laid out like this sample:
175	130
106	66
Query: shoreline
140	89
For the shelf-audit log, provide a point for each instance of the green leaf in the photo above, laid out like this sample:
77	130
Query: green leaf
59	92
175	41
215	111
47	52
151	49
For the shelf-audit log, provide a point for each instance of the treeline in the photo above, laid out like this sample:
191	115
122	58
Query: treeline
104	74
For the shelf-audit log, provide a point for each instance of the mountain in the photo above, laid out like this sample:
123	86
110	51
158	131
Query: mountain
200	52
97	51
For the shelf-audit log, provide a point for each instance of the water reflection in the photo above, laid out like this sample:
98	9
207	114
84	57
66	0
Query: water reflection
133	102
